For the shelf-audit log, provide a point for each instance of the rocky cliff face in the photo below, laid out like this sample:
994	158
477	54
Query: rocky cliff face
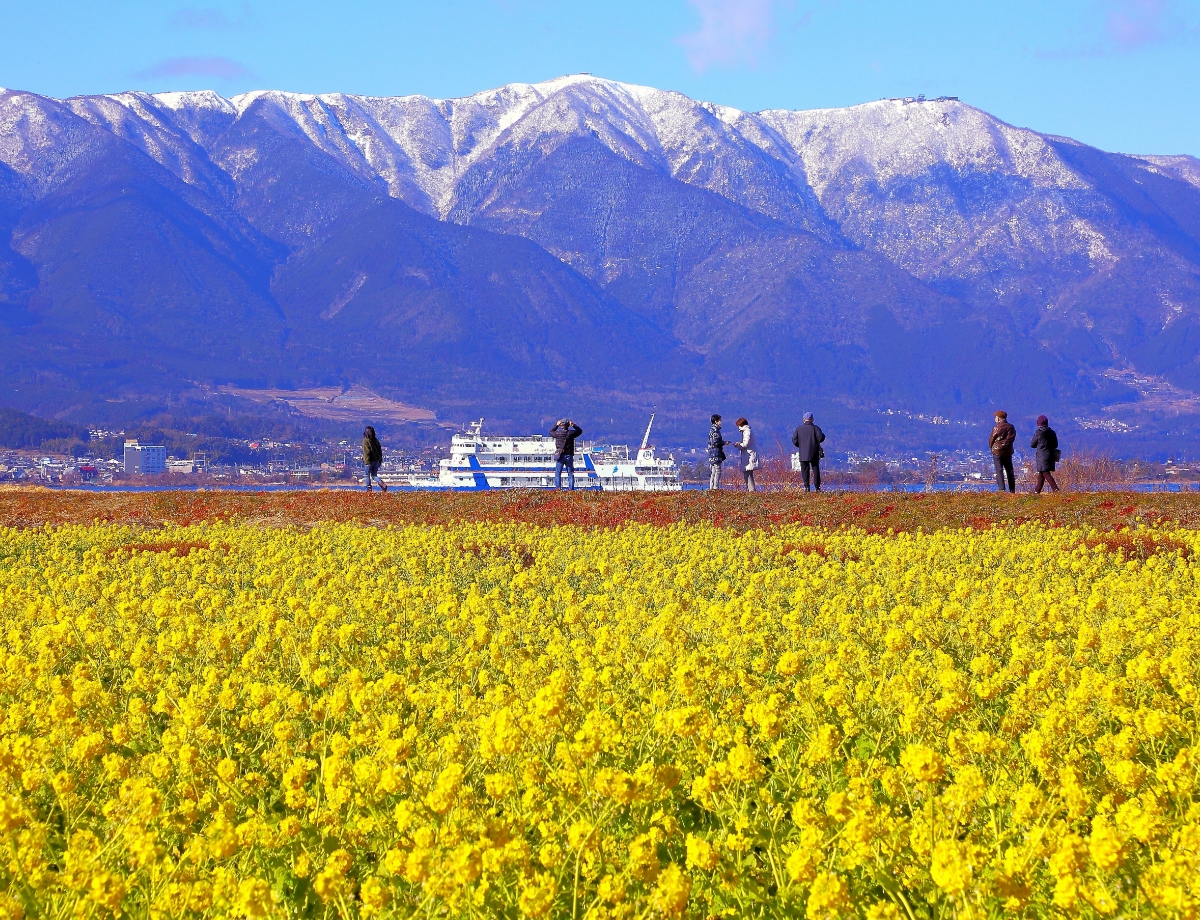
591	240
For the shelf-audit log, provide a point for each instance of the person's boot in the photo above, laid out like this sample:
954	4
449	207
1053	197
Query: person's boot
383	485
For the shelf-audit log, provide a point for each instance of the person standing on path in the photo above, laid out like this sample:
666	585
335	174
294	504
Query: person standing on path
716	452
1045	443
748	462
1004	435
808	438
564	433
372	457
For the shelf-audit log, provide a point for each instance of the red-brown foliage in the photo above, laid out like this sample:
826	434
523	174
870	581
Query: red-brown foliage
34	507
1132	544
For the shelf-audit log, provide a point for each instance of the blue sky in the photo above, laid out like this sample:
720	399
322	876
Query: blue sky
1120	74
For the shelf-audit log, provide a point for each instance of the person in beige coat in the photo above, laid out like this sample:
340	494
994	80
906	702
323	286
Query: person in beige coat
748	462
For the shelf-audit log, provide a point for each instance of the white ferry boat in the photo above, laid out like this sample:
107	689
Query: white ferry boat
644	472
479	462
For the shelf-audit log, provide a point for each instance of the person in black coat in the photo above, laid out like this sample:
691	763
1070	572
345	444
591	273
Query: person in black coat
1004	435
1045	443
808	438
564	433
716	452
372	457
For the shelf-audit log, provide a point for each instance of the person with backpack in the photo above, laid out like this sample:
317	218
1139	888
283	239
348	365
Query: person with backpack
564	433
748	461
372	457
1047	454
1004	435
808	438
716	452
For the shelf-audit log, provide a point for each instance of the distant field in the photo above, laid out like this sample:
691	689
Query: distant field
873	512
338	405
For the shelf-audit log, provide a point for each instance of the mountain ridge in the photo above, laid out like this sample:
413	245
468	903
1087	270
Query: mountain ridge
732	247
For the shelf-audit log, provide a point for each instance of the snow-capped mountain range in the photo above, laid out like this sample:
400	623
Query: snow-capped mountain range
646	247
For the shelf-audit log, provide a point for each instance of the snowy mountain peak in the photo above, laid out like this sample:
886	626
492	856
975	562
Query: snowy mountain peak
204	99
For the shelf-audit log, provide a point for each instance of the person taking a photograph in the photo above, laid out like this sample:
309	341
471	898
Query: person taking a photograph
564	433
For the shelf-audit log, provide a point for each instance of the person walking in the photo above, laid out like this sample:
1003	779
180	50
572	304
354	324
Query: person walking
748	462
808	438
1045	444
716	452
564	433
1004	435
372	457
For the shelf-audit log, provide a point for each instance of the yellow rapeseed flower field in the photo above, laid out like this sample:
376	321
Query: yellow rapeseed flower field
484	720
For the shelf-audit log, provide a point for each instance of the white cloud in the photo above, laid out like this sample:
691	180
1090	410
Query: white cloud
1122	26
1133	23
731	32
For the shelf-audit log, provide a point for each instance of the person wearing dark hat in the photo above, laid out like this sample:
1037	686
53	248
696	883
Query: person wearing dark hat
564	433
716	452
808	438
1045	445
372	457
1004	435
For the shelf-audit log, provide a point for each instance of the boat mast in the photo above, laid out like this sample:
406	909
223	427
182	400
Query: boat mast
646	437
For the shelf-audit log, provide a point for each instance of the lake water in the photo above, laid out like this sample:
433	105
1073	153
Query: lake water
915	487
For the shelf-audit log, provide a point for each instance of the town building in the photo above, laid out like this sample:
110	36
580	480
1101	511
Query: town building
146	459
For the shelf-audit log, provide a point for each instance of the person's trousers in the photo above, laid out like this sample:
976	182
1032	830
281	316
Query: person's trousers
714	475
373	470
1004	467
815	466
748	475
564	463
1044	478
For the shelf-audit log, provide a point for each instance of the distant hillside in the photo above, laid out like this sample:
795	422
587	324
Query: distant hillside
590	246
21	430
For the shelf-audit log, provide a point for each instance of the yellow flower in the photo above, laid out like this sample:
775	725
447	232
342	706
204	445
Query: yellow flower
824	743
107	891
537	895
1105	845
951	868
670	897
611	889
744	765
800	865
828	897
254	899
923	763
444	793
701	854
375	896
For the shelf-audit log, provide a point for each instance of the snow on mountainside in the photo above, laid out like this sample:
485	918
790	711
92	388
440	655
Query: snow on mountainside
787	165
1181	167
811	169
154	127
821	243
